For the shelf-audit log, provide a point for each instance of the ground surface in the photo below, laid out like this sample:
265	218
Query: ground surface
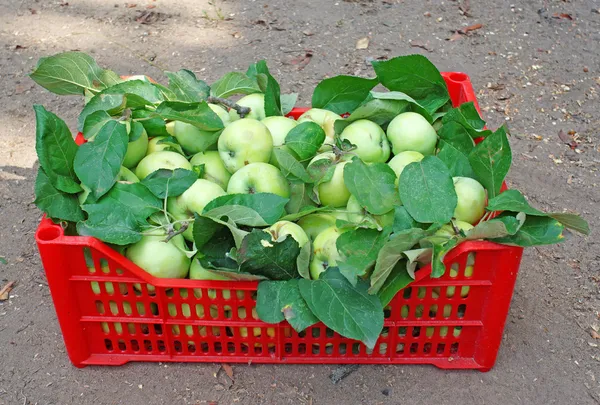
532	67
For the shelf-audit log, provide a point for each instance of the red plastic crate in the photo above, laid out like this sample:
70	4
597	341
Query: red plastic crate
112	312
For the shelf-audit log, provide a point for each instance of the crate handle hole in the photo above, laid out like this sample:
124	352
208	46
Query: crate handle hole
458	77
50	233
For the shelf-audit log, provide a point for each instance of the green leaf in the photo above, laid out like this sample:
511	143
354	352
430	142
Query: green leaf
260	209
97	163
342	94
279	300
290	167
259	254
237	234
373	185
70	73
288	101
234	83
438	268
427	190
3	260
56	150
512	200
54	203
413	105
165	183
457	162
467	116
204	229
187	87
135	131
153	124
572	221
94	123
491	161
415	257
216	253
396	281
301	199
403	220
359	249
391	253
415	76
305	139
497	227
345	308
198	114
120	216
379	111
271	89
174	146
303	260
534	232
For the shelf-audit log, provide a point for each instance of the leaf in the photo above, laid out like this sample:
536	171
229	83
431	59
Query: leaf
342	94
97	163
467	116
396	281
403	220
373	185
153	124
359	249
413	104
174	146
572	221
165	183
438	268
120	216
259	254
457	162
379	111
279	300
70	73
56	150
427	191
301	199
415	257
234	275
271	90
204	229
94	122
415	76
305	139
391	253
234	83
198	114
362	43
497	227
54	203
288	101
534	232
187	87
260	209
491	161
346	309
135	131
216	253
238	234
303	260
290	167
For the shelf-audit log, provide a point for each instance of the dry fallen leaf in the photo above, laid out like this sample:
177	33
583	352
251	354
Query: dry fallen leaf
567	139
470	28
236	35
362	43
130	5
5	290
595	334
302	60
563	16
228	370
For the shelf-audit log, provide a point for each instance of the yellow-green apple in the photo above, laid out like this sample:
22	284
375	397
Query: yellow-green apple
314	224
161	160
136	150
214	168
325	253
192	139
259	178
471	199
371	142
334	192
403	159
243	142
160	258
256	103
279	128
326	120
281	229
411	131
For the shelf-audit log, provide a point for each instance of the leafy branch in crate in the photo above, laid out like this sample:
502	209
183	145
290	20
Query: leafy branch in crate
333	215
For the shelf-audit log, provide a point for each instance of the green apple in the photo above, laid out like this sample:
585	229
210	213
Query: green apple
411	131
370	140
356	213
326	120
403	159
279	128
314	224
259	178
136	150
448	231
471	199
197	272
214	168
161	160
279	230
386	219
194	140
170	128
325	253
193	200
160	258
154	146
256	103
243	142
127	175
334	192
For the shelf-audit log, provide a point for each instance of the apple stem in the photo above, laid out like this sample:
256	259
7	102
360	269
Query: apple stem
241	110
171	234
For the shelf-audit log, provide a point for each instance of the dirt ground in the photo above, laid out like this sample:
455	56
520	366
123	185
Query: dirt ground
534	64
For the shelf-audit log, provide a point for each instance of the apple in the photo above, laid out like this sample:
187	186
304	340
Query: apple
279	128
325	253
411	131
259	178
386	219
370	140
471	199
154	146
193	200
356	213
160	258
448	231
403	159
314	224
170	128
127	175
256	103
280	230
136	150
326	120
334	192
161	160
197	272
194	140
243	142
214	168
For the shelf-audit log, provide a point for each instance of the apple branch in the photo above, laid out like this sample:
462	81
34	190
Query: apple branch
172	233
241	110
